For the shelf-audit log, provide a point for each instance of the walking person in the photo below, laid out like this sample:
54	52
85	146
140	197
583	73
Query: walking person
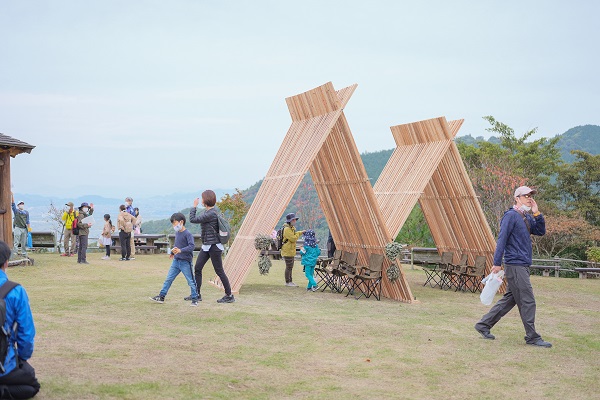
310	253
17	380
288	249
85	210
211	244
106	236
125	222
131	210
514	243
182	256
69	216
21	227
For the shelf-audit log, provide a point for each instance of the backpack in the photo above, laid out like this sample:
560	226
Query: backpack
74	227
279	238
4	335
224	233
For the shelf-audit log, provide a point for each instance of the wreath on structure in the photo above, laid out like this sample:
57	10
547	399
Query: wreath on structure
263	242
392	252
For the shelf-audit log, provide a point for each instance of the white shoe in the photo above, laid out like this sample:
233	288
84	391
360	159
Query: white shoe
291	284
106	258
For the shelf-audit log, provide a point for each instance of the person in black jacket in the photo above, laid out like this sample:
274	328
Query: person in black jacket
211	244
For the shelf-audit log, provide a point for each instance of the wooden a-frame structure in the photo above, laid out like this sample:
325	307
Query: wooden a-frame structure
318	140
426	167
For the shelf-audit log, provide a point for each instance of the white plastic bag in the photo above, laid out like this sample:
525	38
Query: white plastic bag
492	283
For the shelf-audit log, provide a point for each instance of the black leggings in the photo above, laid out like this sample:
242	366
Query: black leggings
107	250
125	239
214	253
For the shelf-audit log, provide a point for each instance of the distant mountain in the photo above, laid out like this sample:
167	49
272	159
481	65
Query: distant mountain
585	138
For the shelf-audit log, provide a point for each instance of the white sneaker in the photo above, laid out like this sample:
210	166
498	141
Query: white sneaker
106	258
291	284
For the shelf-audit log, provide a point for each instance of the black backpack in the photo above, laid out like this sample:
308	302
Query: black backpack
4	335
279	238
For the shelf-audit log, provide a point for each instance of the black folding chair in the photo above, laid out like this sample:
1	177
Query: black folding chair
452	273
368	280
471	279
323	268
346	266
437	274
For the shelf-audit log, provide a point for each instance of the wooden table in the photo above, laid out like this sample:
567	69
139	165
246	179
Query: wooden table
144	242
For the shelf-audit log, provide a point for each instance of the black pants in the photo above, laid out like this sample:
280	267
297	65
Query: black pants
19	383
125	239
107	250
82	249
214	253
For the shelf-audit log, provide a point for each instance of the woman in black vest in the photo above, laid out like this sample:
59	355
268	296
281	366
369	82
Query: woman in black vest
211	244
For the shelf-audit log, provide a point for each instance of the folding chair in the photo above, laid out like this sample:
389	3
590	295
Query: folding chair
346	266
444	265
471	279
323	268
452	273
368	281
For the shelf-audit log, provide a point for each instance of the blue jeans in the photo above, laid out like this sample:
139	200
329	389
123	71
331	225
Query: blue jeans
185	267
310	273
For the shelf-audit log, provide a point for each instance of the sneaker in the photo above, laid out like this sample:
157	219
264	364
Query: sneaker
106	258
189	298
226	299
64	255
131	258
122	259
485	334
315	288
291	284
194	303
158	299
541	343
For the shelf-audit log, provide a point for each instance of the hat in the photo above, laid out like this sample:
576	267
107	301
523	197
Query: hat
290	217
522	190
70	204
20	202
84	204
309	238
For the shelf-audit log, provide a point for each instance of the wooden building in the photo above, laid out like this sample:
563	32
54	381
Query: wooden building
9	147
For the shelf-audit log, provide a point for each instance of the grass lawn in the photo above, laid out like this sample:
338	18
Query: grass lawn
100	337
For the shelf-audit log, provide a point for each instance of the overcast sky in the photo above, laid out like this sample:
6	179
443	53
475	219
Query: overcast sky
158	97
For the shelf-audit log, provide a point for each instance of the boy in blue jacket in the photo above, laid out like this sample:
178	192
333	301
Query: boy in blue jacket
17	378
310	252
182	256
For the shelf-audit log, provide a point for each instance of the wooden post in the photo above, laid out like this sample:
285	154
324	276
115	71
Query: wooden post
557	265
5	200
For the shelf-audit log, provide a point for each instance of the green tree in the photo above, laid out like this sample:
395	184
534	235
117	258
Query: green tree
579	185
415	231
235	209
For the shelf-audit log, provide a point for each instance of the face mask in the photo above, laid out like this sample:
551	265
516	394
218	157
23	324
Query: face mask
85	209
525	208
177	228
21	206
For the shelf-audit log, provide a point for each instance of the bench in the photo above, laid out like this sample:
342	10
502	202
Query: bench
43	240
424	256
547	268
583	272
144	249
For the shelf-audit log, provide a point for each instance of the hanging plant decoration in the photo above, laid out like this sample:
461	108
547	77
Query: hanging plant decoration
393	250
393	272
262	242
264	264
